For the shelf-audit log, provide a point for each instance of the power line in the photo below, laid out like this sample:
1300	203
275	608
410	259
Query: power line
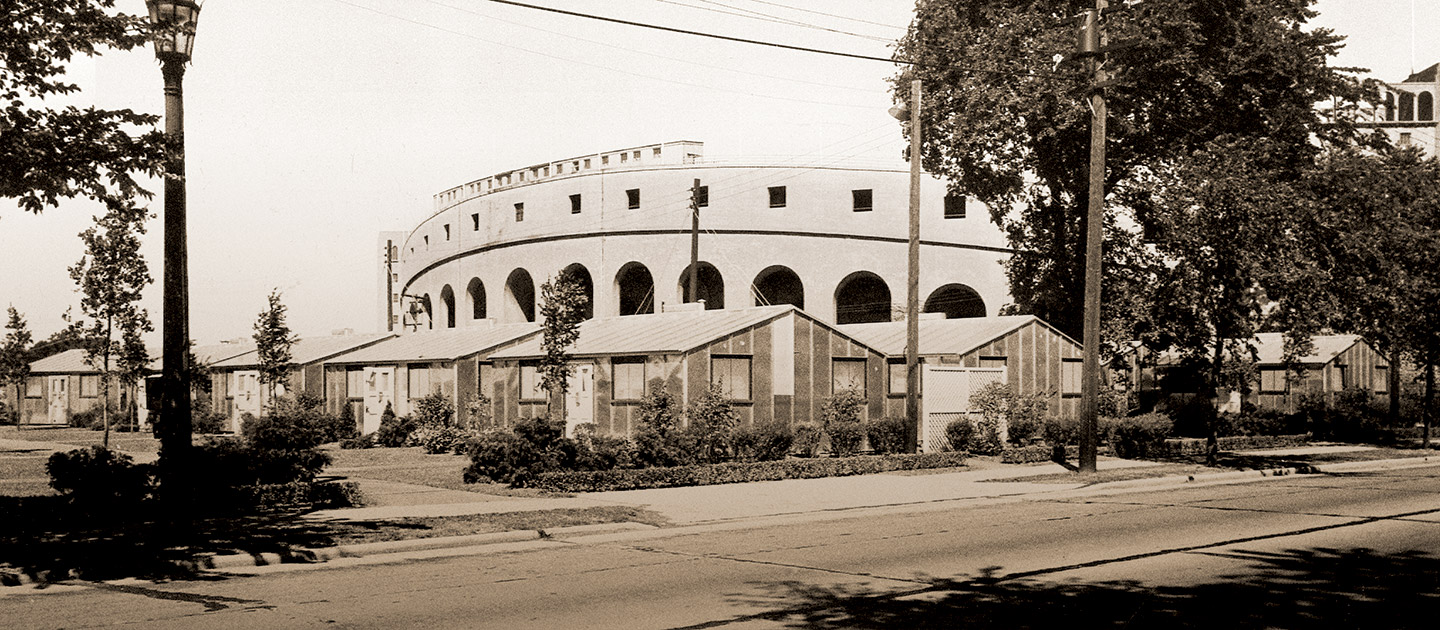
838	17
757	42
766	17
647	53
595	65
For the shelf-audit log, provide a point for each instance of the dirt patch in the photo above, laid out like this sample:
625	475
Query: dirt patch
434	527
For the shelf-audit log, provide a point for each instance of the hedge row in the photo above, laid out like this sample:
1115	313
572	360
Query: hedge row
737	472
315	495
1196	446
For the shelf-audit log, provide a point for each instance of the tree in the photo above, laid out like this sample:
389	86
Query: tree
1378	212
15	355
48	154
1003	122
562	307
272	343
1229	224
111	276
132	363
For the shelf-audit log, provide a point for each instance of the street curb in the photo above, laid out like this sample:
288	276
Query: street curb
325	554
1243	476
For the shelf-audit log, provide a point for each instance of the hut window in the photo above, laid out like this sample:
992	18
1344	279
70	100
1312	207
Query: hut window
34	387
530	383
1272	381
419	380
897	376
1382	379
628	381
1070	376
847	374
354	382
89	385
732	376
1342	378
992	362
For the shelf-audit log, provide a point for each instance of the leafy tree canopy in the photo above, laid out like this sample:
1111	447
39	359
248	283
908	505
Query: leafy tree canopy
563	304
272	343
1006	123
47	154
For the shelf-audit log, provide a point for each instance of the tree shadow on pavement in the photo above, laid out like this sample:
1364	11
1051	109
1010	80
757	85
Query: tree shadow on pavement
1298	588
47	539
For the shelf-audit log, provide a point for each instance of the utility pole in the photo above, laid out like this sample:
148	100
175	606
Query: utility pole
389	286
912	282
695	242
1092	42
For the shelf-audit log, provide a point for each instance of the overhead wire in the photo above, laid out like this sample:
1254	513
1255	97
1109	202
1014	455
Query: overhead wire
646	53
758	42
766	17
595	65
833	15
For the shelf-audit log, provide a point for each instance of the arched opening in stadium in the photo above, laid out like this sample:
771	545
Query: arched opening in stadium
476	291
712	286
447	302
955	301
862	297
778	284
519	297
636	288
580	274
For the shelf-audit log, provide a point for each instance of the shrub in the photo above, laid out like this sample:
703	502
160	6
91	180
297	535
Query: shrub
434	409
1060	431
1139	436
960	433
712	423
231	463
1017	417
1191	416
738	472
475	415
98	477
657	440
535	446
601	452
394	431
807	438
363	441
845	437
887	435
764	442
204	418
345	426
436	439
282	429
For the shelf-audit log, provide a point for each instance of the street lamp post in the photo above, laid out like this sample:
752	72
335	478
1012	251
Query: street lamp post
173	44
911	113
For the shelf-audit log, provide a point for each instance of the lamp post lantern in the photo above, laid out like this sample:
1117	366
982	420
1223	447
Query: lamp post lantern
173	42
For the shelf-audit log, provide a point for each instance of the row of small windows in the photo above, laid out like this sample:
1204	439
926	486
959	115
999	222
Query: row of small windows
543	171
862	199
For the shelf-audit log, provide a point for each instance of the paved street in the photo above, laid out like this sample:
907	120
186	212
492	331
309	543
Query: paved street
1350	550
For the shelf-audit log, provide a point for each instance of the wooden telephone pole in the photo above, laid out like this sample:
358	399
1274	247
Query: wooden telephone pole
695	242
1092	42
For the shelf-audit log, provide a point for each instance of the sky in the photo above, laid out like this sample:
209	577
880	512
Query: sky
312	126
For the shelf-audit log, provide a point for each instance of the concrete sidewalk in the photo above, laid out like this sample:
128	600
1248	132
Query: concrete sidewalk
728	502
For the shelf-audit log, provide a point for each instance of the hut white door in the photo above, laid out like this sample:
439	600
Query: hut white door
580	400
947	398
247	394
379	391
59	398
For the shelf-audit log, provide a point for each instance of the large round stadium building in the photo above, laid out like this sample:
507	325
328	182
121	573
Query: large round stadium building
827	236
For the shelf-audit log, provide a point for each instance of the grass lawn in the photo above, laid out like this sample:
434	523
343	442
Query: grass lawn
24	476
411	528
413	465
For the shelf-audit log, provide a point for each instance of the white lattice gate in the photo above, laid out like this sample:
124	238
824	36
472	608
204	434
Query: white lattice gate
947	392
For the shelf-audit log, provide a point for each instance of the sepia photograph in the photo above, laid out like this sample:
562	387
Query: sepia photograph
714	314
